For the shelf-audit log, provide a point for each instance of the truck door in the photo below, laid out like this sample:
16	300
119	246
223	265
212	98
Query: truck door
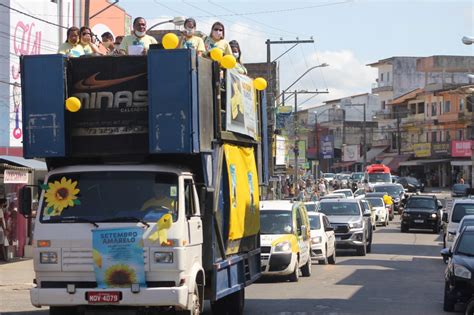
193	214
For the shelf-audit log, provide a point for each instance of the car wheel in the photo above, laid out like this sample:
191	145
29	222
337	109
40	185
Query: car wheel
325	260
332	258
449	300
369	247
362	250
295	275
306	269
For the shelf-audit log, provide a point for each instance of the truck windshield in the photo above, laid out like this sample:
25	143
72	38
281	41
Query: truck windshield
107	196
357	176
275	222
379	178
460	210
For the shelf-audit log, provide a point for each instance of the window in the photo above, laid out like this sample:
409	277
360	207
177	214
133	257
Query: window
433	109
381	77
421	108
388	76
469	103
461	105
189	198
460	134
433	136
383	104
448	136
447	107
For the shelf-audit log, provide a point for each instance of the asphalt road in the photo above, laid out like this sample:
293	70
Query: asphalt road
402	275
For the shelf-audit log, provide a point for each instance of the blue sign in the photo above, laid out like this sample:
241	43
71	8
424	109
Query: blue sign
118	257
327	147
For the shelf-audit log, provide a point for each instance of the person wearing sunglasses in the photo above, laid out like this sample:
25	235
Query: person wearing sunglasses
216	39
86	41
138	42
71	47
189	40
234	45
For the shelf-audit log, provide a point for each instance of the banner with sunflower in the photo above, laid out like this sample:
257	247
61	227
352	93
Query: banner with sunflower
118	257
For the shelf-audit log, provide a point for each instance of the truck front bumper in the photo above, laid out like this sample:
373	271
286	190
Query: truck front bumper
171	296
353	239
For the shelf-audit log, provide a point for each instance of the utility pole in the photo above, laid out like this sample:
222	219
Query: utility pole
87	4
365	137
296	149
398	135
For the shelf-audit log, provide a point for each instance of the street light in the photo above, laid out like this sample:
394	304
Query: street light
468	40
301	76
177	21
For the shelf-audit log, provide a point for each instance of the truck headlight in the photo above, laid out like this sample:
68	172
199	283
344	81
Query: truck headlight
355	225
164	257
433	215
48	257
316	240
462	272
282	247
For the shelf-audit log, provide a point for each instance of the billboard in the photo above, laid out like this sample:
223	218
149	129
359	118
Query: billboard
422	149
327	147
461	148
280	154
29	36
351	152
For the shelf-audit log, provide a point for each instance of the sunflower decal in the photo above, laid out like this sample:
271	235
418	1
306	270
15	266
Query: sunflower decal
60	195
120	275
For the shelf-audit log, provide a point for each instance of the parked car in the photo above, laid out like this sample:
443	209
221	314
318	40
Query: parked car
395	191
312	206
458	286
422	212
460	190
285	239
461	208
411	184
323	240
351	224
381	212
390	207
347	192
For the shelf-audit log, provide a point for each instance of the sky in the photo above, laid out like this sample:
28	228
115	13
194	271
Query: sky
348	35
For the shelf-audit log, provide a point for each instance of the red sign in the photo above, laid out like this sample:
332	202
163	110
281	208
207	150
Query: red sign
103	297
461	148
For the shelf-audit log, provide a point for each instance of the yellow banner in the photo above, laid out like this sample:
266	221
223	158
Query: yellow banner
244	192
422	149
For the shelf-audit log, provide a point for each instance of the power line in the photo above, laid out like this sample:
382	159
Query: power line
32	16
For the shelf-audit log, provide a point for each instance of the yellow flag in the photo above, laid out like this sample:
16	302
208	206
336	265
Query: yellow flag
162	226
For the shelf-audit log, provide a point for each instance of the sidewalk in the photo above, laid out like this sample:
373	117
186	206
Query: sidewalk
17	273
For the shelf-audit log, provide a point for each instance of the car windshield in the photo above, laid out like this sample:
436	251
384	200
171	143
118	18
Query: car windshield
340	208
460	187
357	176
311	207
347	193
460	210
379	178
468	222
391	190
275	222
314	222
466	244
375	202
421	203
106	196
412	180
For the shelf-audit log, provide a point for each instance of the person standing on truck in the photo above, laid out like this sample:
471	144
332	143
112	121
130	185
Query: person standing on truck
138	42
235	47
71	47
108	42
216	39
86	42
189	40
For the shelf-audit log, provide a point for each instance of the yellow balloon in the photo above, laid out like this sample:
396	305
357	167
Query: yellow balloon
73	104
216	54
170	41
260	83
228	62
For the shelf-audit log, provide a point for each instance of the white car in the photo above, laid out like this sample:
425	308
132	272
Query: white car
359	193
323	241
460	208
333	196
381	213
346	192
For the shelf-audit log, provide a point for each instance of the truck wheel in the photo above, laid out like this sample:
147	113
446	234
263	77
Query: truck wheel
361	250
449	301
233	304
306	269
295	276
470	307
59	310
369	246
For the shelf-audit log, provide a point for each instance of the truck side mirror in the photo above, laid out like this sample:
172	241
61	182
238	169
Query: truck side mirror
25	201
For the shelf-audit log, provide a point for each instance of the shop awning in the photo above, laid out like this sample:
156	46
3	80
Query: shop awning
409	163
422	162
386	160
461	163
433	161
371	154
19	161
396	161
342	164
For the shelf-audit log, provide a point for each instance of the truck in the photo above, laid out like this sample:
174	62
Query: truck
155	165
377	174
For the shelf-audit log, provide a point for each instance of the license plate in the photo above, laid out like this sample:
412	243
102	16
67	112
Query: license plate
103	297
418	221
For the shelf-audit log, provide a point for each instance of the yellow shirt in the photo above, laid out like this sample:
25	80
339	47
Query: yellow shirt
194	42
131	40
71	50
159	202
388	200
87	49
222	44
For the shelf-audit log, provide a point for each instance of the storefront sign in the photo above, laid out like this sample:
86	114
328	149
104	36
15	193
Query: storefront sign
461	148
15	177
351	153
327	147
440	148
422	149
280	154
